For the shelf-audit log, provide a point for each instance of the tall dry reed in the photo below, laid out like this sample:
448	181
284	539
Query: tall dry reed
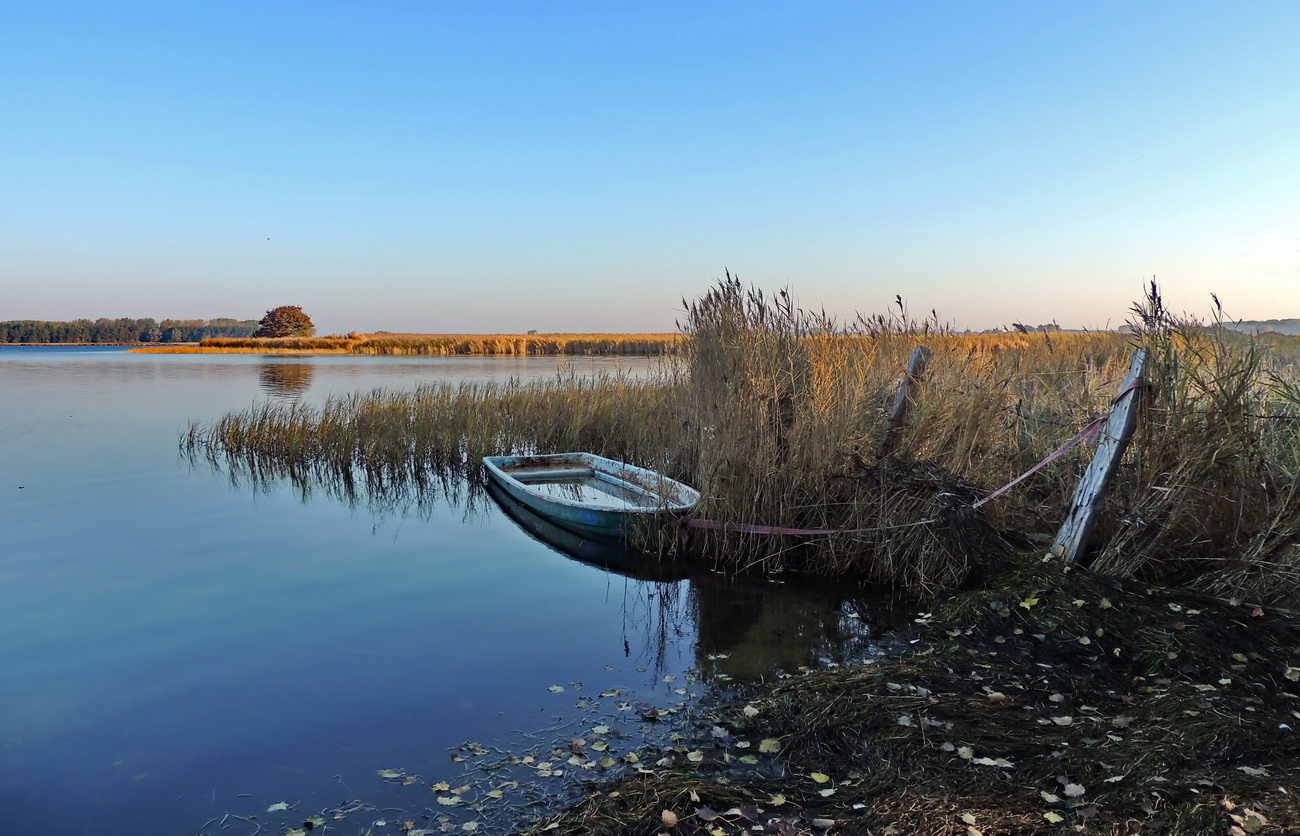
776	414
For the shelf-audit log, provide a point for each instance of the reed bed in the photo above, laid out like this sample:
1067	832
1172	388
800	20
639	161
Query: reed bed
645	345
520	344
775	413
332	343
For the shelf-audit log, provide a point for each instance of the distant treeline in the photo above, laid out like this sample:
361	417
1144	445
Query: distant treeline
1265	326
147	330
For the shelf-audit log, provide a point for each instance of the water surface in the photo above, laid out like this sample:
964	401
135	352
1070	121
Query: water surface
175	648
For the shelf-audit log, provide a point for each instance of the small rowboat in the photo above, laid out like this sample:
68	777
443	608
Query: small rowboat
590	494
606	554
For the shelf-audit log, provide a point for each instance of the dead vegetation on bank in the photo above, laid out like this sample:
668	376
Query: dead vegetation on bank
775	414
1058	703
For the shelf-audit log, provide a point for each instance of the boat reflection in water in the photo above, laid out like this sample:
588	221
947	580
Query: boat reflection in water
746	629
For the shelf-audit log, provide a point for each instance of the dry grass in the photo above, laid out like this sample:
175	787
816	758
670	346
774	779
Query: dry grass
775	413
519	344
652	345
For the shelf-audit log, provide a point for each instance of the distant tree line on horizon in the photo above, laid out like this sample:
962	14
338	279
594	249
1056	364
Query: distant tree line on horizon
124	330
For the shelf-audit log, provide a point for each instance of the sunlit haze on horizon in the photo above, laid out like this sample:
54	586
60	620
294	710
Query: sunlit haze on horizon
488	167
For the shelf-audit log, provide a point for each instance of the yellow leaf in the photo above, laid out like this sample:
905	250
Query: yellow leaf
826	793
275	808
749	759
1029	603
769	745
441	786
1054	818
820	777
968	818
389	773
776	800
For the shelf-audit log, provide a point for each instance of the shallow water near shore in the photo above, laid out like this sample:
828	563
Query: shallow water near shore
177	648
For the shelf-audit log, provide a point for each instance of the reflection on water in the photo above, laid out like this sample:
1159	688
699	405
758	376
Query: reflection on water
175	650
286	380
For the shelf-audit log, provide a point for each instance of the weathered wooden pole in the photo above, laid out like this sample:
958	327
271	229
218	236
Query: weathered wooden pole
902	401
1073	537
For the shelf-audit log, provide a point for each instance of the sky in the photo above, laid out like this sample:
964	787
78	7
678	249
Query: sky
491	167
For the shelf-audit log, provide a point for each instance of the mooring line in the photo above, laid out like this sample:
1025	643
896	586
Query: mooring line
1088	433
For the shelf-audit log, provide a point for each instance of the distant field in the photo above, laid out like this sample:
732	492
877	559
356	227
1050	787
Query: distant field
437	344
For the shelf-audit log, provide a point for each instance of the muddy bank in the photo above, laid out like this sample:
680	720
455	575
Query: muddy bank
1053	702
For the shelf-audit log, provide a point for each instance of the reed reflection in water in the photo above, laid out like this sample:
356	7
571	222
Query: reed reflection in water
746	629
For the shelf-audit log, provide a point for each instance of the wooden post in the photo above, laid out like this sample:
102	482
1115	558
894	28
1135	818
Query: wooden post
1073	537
902	401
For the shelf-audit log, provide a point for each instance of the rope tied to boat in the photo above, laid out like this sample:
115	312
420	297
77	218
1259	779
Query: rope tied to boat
1090	433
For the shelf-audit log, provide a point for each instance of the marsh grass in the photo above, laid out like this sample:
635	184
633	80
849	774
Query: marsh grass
775	414
649	345
520	344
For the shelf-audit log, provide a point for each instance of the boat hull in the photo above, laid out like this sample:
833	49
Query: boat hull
590	494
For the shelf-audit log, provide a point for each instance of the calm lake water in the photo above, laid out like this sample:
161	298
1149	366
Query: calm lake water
176	649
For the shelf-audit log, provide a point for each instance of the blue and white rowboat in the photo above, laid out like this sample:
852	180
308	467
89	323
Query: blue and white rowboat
590	494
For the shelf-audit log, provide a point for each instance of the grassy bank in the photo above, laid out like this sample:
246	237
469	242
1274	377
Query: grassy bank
1058	703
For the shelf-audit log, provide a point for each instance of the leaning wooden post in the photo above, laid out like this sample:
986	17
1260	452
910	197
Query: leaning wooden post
898	415
1073	537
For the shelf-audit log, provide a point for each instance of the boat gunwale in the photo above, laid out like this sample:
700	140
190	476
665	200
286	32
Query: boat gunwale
682	499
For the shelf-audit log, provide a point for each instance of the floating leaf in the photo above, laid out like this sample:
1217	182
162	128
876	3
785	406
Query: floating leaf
277	807
1253	772
820	777
1053	817
695	757
607	761
965	752
1073	790
441	786
495	794
776	800
389	773
449	800
469	826
769	745
750	711
1050	798
826	793
749	759
600	729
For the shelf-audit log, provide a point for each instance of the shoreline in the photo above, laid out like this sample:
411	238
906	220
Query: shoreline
1058	701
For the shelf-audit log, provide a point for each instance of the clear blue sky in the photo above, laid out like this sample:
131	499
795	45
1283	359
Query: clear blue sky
488	167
